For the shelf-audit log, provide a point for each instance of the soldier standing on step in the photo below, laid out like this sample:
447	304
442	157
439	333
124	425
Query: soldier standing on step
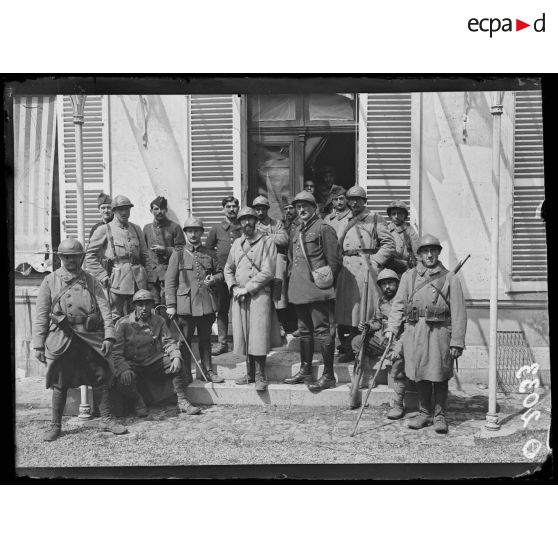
367	245
121	243
145	351
161	237
249	273
192	275
74	335
430	300
388	281
313	246
405	237
220	240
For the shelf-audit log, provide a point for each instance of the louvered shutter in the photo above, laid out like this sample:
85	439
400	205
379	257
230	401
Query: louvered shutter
95	161
385	147
529	238
214	128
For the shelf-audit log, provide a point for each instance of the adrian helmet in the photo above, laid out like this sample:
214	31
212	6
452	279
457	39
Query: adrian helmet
387	274
260	200
356	192
428	240
397	204
70	247
246	212
193	223
121	201
142	294
305	197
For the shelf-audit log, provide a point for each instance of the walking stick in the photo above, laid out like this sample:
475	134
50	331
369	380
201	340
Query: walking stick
371	387
186	343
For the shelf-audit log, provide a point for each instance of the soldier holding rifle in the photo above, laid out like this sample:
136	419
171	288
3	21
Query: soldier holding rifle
431	301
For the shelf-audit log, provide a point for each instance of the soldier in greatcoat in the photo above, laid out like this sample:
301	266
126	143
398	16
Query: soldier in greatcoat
191	278
161	237
367	246
73	335
249	271
220	240
313	246
145	355
405	237
122	244
278	234
430	300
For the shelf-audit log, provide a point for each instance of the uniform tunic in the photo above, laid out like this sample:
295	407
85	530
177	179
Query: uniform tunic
84	298
278	234
338	221
350	283
185	289
263	326
97	225
321	247
221	238
131	263
167	234
405	237
426	345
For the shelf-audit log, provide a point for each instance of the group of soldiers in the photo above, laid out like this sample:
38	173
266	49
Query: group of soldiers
323	269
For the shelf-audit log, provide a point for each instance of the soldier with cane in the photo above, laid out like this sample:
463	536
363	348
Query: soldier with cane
431	301
249	271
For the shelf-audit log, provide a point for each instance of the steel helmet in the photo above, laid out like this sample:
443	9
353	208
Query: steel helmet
70	247
121	201
143	294
260	200
305	197
428	240
397	204
356	192
193	223
246	212
387	274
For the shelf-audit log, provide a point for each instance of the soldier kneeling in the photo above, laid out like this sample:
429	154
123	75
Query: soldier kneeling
145	350
388	282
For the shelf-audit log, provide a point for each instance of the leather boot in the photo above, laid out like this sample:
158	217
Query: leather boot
397	410
222	332
261	381
327	380
183	405
140	408
348	355
440	405
108	423
58	403
304	375
250	376
424	418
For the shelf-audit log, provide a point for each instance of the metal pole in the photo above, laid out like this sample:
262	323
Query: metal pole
78	103
496	110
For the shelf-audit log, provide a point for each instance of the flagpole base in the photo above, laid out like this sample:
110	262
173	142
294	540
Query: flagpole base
492	422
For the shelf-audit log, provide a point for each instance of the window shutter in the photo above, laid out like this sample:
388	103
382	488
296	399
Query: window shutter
529	237
95	161
214	159
385	147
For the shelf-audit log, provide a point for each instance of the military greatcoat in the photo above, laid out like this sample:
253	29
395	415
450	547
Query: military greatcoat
84	298
251	264
406	243
365	231
426	345
276	230
131	263
338	220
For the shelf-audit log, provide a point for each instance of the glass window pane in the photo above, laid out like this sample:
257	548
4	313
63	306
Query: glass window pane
337	106
273	175
273	107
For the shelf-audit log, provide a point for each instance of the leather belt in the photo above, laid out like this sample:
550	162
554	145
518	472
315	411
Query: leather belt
359	251
76	319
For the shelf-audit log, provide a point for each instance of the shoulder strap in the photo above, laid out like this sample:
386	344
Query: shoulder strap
111	240
349	226
245	253
303	250
417	289
184	249
57	298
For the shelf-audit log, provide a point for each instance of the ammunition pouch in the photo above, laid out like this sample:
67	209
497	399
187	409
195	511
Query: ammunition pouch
92	322
412	314
434	315
61	321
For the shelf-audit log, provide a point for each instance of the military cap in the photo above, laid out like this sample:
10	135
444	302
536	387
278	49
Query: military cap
160	202
193	223
428	240
143	294
246	212
337	191
260	200
356	192
387	274
397	204
70	247
305	197
103	199
121	201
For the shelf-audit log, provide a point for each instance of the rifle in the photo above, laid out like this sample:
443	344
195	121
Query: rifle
370	388
354	397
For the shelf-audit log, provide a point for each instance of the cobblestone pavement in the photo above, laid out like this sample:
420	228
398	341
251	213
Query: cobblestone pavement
273	435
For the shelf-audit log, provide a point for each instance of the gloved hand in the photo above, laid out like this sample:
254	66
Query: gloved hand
106	347
127	377
40	355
